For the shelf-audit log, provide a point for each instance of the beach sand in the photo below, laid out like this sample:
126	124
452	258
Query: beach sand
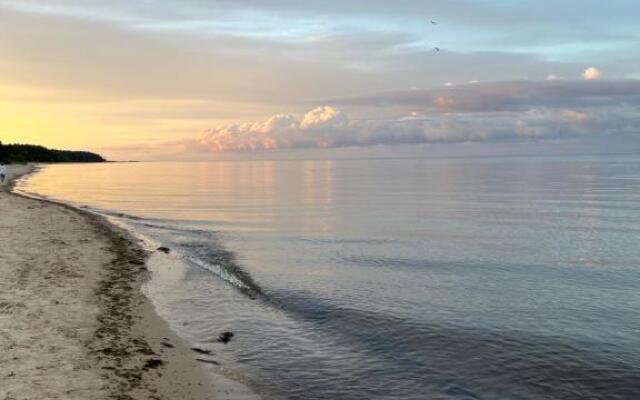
73	321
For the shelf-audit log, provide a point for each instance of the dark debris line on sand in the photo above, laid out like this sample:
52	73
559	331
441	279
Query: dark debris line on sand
122	354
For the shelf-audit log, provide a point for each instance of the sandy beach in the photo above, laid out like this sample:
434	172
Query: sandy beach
73	322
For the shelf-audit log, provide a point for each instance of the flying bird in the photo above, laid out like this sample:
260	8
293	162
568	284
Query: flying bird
436	49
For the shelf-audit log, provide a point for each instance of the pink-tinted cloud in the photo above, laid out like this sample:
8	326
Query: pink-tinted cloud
486	111
591	74
338	130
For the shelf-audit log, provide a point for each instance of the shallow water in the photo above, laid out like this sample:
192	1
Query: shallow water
487	278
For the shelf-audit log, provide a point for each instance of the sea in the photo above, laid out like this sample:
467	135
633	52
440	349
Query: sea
503	278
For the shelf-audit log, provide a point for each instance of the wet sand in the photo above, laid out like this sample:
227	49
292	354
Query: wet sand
73	321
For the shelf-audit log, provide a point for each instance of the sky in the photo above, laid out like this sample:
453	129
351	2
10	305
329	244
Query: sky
188	79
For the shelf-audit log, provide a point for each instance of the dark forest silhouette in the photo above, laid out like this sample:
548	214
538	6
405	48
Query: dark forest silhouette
19	153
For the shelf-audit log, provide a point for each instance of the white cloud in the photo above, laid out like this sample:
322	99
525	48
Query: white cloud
323	116
484	111
530	125
591	74
314	129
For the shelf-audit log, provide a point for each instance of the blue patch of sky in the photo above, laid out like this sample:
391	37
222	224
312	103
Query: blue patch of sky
570	30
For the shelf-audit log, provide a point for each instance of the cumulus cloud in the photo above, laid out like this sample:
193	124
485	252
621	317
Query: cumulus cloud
323	116
499	111
591	74
323	126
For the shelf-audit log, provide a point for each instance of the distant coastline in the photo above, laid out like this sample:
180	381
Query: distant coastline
25	153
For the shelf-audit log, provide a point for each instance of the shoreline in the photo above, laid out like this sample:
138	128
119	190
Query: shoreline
73	307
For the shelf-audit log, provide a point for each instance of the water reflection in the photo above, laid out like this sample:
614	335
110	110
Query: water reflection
445	279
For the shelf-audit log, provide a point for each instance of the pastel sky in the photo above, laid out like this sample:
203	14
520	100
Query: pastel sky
195	79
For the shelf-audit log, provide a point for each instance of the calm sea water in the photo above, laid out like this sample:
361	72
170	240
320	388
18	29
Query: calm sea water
493	278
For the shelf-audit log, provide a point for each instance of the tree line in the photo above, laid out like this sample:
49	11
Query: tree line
22	153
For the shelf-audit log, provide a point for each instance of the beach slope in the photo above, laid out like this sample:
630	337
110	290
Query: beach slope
73	322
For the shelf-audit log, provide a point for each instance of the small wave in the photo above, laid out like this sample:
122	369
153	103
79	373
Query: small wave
204	249
199	247
222	263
